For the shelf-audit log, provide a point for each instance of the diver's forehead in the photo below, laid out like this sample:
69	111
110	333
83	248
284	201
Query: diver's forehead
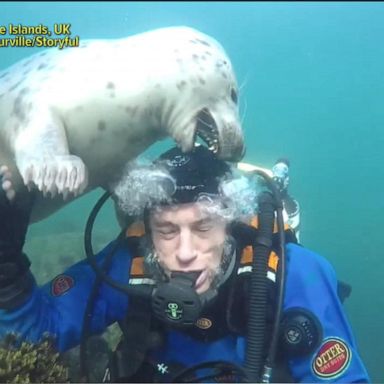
180	213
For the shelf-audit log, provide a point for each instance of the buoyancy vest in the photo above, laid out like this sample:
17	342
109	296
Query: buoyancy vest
142	332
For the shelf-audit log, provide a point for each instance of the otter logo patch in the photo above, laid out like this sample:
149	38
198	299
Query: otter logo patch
332	359
61	284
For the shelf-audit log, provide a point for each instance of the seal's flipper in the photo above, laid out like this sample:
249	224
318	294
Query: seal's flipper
43	158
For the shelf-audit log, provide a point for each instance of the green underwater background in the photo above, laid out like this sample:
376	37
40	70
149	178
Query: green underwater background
312	90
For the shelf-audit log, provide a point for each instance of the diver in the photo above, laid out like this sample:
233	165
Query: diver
189	302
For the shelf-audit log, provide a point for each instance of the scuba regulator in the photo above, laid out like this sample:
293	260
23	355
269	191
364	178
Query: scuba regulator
176	302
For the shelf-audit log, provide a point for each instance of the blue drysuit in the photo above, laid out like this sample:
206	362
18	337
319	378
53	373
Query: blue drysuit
311	284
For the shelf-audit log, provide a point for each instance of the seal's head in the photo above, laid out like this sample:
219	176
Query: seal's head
204	98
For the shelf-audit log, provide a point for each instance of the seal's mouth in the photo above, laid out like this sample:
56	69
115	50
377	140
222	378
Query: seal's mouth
206	129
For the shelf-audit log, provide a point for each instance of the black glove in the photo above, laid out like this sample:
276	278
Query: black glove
15	278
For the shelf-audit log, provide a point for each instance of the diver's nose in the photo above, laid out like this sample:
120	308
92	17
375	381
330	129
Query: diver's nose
186	252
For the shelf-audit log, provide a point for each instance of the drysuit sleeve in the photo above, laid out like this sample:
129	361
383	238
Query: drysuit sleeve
57	308
311	285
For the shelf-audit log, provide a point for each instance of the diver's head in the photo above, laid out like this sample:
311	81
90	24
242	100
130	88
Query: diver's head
187	201
189	231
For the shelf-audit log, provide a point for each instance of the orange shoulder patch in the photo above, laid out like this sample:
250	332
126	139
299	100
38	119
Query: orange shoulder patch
137	267
135	229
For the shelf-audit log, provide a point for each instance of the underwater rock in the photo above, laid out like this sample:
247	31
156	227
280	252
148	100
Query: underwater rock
52	254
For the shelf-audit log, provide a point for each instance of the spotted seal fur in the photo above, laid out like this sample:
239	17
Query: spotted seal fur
71	119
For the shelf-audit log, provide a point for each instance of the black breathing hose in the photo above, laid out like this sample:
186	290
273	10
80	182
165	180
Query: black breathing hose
268	203
101	276
258	288
100	273
85	333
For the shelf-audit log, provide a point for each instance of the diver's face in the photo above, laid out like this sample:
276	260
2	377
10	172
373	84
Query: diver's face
186	238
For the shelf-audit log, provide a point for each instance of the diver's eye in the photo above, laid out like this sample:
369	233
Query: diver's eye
234	96
167	234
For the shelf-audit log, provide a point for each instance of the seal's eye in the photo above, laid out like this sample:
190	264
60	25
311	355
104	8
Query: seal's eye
234	96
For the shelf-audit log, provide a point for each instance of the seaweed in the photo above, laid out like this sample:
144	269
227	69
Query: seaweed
27	362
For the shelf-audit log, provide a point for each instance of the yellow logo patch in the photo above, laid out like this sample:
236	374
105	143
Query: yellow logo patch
203	323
